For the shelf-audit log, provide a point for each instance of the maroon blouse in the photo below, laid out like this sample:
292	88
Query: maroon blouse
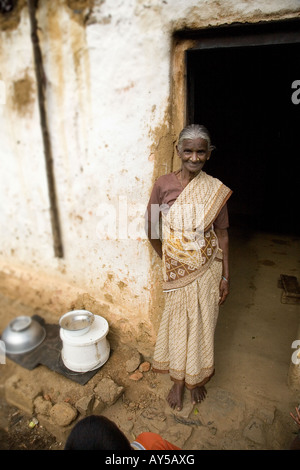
166	190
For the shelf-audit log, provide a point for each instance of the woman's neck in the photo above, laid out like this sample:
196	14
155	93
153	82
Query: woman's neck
187	175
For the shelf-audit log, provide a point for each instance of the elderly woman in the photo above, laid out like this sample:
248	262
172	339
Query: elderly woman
187	226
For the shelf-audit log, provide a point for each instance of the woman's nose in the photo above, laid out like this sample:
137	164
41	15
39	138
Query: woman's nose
194	157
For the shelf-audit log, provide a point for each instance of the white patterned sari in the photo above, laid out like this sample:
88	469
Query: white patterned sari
192	269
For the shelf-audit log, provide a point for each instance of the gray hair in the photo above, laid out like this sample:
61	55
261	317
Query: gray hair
194	131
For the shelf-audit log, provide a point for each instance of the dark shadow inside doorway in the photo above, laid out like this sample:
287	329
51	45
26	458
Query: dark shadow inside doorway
244	97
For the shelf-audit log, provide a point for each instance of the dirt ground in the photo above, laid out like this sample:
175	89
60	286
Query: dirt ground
249	399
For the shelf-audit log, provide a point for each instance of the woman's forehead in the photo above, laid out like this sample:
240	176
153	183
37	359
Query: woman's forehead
194	143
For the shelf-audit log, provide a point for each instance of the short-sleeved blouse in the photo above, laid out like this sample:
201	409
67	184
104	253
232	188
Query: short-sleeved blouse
166	190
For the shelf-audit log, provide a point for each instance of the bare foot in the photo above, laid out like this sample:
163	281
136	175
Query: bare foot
175	396
198	394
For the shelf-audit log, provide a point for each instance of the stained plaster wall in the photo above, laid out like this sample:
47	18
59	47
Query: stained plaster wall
111	72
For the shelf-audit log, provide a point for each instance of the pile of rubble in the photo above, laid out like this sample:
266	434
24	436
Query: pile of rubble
59	417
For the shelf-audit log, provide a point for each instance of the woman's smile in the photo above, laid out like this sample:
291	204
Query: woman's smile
197	162
193	165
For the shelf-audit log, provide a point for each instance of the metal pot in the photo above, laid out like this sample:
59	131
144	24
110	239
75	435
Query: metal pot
23	334
87	351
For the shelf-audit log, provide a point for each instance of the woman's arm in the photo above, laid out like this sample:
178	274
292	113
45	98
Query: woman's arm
152	218
155	242
223	240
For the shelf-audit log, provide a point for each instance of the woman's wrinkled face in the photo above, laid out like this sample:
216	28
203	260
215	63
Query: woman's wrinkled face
193	154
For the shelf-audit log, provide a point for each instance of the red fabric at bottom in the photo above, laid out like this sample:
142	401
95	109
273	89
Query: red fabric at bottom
153	441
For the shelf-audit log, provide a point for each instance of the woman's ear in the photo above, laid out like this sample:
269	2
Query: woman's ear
178	153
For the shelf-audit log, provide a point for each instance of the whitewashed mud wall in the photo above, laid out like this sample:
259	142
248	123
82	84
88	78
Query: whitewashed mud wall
108	76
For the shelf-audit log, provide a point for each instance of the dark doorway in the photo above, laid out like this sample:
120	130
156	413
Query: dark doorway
243	94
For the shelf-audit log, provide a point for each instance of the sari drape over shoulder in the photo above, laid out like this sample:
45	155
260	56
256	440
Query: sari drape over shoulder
189	241
192	269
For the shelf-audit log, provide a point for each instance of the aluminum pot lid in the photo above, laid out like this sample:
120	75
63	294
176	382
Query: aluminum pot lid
76	320
20	323
98	331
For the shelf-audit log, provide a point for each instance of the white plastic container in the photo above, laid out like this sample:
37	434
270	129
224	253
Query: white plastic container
88	351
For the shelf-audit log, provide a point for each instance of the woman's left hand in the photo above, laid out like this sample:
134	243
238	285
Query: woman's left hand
224	291
297	417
